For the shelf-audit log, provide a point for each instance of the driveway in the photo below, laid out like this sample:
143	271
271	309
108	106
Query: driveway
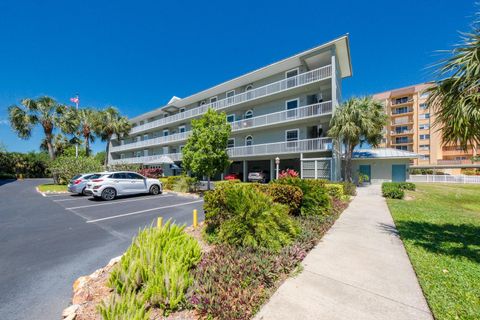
46	242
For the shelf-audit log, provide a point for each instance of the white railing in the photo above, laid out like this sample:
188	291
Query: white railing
152	142
269	89
401	132
307	145
305	112
312	110
444	178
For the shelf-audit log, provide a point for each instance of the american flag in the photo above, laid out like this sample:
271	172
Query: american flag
74	99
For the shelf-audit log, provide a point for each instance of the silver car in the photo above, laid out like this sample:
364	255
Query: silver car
113	184
78	183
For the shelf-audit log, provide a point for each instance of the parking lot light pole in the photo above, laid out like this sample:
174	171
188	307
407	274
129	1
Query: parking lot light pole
277	164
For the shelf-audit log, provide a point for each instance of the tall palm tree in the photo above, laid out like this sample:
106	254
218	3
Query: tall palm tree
455	97
357	121
82	123
44	111
59	142
109	123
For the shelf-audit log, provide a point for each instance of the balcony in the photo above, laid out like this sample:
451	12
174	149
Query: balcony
405	120
267	149
454	162
398	142
267	90
406	101
457	152
395	133
400	112
271	119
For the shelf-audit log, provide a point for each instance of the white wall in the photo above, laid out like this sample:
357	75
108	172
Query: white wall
381	169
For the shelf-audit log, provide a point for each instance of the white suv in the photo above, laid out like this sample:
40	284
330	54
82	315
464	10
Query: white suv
113	184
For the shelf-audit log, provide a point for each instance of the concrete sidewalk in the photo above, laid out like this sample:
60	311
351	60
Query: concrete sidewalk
360	270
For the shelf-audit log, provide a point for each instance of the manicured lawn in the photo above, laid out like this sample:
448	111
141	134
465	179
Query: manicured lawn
50	187
440	228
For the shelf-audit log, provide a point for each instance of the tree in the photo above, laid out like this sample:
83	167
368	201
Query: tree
455	97
60	143
43	111
109	123
356	121
82	123
205	152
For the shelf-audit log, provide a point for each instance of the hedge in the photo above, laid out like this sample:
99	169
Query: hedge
392	190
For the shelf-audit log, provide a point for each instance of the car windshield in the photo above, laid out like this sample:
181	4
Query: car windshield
76	177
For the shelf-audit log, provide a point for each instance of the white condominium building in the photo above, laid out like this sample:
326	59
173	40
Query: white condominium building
282	110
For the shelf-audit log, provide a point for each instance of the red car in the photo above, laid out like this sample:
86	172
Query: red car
232	176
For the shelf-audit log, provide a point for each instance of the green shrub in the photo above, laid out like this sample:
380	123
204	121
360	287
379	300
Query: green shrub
392	190
125	307
335	190
4	176
65	168
315	200
124	167
349	188
407	186
290	196
185	184
256	221
157	266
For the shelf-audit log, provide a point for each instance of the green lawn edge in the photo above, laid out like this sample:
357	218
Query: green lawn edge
50	187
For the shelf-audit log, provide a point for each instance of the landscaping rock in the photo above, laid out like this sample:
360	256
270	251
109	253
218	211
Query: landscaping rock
70	311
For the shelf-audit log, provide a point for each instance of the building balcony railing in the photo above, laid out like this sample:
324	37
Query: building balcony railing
395	103
454	162
310	111
401	121
407	141
458	152
400	112
270	149
266	90
394	133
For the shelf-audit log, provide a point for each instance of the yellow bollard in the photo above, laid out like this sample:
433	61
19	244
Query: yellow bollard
195	219
159	222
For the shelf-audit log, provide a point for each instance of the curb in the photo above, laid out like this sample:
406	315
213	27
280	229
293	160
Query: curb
45	194
182	194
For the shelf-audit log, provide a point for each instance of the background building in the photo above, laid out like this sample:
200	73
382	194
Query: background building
410	128
283	109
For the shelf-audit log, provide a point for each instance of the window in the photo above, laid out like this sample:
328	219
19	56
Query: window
401	140
424	147
145	137
291	74
401	110
230	98
423	106
181	129
424	126
248	140
131	175
424	95
425	157
291	106
165	150
401	100
401	129
138	154
405	148
165	132
291	135
424	116
424	136
213	99
248	114
182	109
249	94
166	115
231	143
460	158
119	175
203	102
145	152
138	138
231	118
122	156
249	87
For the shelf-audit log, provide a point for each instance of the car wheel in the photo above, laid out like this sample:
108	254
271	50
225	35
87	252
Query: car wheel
109	194
84	192
155	189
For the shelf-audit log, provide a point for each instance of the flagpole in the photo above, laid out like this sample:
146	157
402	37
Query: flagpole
76	144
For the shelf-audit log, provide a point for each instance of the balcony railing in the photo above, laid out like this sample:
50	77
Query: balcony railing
401	121
402	141
394	133
305	112
284	147
399	112
269	89
410	100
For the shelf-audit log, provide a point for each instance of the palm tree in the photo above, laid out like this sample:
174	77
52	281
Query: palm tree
81	123
44	111
59	142
356	121
455	97
109	123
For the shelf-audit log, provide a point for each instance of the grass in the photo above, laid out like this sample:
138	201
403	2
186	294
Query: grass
50	187
440	228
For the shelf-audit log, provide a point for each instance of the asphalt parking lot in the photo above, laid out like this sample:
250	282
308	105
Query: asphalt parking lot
123	216
46	242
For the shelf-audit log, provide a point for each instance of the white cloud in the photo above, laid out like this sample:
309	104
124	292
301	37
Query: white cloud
4	122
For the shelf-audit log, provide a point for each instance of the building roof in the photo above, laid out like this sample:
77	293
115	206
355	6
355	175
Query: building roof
383	153
340	45
403	91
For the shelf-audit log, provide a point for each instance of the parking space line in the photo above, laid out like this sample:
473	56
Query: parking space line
115	202
143	211
77	198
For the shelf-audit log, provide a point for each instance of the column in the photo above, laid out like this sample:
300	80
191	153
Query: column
245	173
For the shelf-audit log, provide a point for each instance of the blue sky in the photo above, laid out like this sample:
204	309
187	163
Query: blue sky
136	55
